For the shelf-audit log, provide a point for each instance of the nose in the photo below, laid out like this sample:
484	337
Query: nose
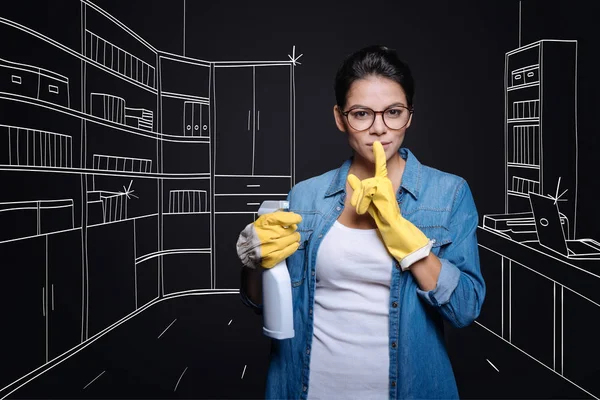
378	127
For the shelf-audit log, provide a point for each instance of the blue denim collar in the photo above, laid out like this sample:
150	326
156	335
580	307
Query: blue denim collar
411	177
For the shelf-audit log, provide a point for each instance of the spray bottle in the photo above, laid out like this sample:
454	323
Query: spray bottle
278	317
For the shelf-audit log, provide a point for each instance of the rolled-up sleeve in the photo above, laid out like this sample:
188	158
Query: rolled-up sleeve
460	288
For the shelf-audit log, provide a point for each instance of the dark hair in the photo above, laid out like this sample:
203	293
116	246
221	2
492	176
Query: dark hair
373	60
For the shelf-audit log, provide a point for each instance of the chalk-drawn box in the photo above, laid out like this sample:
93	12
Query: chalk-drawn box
114	206
106	106
532	75
18	79
517	78
104	206
54	90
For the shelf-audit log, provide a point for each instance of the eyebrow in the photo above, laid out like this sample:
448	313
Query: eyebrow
391	105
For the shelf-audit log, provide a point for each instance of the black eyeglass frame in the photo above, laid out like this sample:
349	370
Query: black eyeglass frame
410	112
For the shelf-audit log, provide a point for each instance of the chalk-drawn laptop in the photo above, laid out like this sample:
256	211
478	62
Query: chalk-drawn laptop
551	235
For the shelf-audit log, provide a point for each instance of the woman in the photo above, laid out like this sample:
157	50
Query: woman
379	251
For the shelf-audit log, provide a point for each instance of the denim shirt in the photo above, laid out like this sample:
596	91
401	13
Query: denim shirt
442	207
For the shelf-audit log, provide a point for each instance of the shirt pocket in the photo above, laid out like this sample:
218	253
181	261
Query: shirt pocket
441	236
297	263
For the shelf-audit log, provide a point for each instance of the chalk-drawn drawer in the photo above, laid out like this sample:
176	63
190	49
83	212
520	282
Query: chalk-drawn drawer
252	185
18	80
517	78
54	90
243	203
531	75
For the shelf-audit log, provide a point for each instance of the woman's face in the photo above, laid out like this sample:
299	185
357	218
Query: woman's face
378	94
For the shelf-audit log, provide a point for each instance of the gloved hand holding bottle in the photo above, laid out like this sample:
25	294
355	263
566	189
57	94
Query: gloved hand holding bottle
405	242
269	240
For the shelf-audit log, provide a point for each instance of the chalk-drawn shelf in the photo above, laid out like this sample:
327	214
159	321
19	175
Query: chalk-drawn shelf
518	165
517	194
181	96
525	85
167	252
120	76
117	59
520	120
110	124
540	112
80	56
89	171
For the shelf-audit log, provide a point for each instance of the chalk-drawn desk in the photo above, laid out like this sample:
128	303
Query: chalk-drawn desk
543	303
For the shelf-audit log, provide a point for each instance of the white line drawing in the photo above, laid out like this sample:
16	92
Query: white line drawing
108	107
243	372
119	60
35	82
167	328
114	205
493	366
51	153
192	119
551	233
99	121
112	108
168	252
537	232
139	118
93	380
24	380
188	201
117	163
534	359
230	321
30	147
50	216
179	380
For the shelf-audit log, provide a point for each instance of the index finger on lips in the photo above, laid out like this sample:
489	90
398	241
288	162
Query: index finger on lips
380	160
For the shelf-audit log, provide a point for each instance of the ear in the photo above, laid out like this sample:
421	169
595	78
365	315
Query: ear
339	118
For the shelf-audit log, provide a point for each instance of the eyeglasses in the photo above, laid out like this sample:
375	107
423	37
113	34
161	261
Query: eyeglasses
362	118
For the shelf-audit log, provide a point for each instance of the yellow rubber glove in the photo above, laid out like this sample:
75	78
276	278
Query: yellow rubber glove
269	240
405	242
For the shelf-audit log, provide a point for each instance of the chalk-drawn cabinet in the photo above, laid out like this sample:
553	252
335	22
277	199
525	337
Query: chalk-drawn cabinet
540	95
253	151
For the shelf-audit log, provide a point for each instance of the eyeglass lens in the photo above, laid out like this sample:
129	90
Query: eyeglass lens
394	118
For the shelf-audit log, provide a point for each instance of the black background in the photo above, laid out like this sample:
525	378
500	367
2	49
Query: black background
456	51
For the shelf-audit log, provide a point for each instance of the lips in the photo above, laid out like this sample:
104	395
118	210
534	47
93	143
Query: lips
382	143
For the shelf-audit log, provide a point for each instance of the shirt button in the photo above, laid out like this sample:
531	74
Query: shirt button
304	388
338	208
393	384
321	235
310	311
394	345
394	304
307	351
313	272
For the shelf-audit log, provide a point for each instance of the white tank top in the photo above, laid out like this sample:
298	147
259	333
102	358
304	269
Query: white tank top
350	353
